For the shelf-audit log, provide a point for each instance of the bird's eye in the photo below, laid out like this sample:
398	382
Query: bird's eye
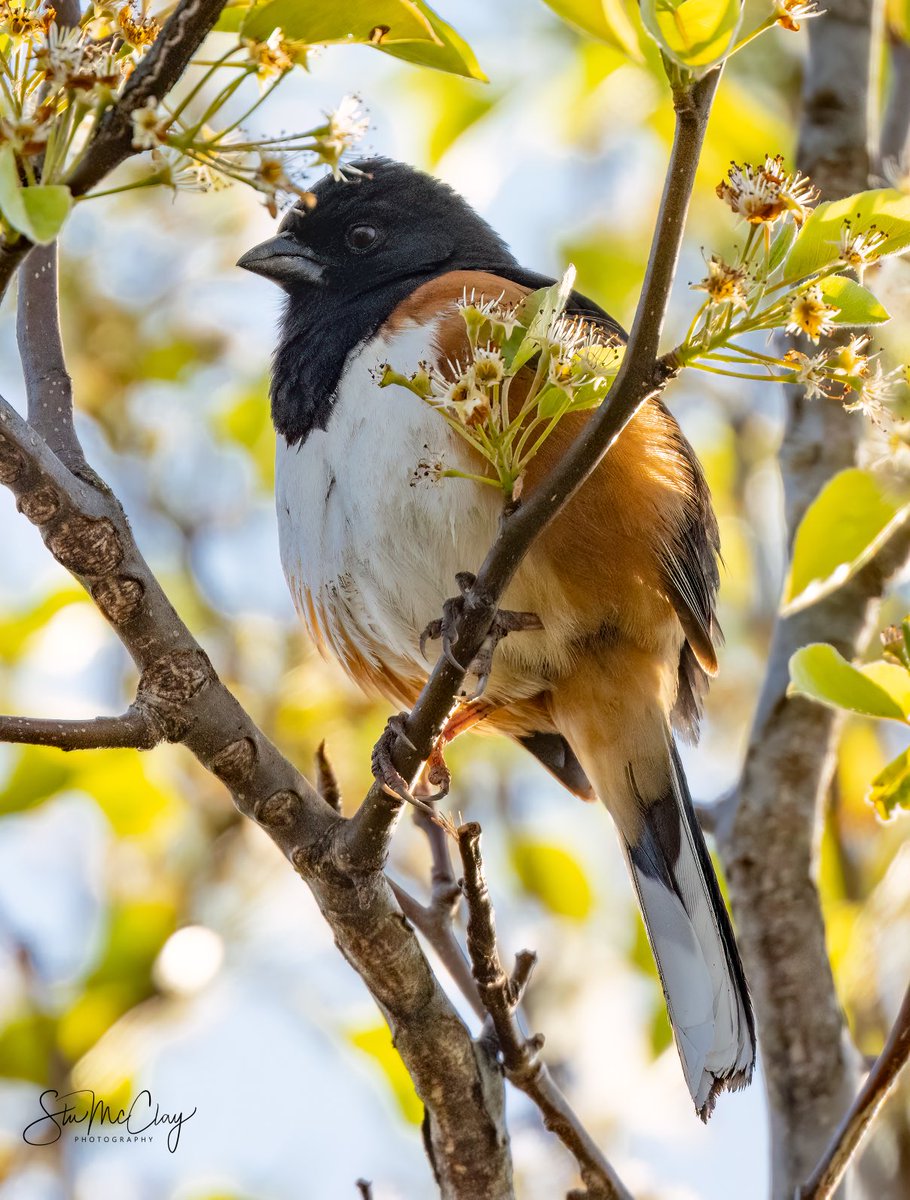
361	237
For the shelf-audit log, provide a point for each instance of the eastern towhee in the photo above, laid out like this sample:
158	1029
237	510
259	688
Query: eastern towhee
623	580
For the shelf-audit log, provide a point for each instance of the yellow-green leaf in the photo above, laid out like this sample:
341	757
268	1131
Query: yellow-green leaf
407	29
843	528
26	1045
323	22
877	690
695	33
37	211
376	1041
855	304
17	628
39	773
890	789
606	20
897	14
450	53
553	876
818	243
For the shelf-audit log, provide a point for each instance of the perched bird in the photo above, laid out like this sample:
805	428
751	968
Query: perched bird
623	581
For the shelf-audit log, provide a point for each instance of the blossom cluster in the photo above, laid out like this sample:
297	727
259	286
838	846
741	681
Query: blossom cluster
526	366
57	82
768	287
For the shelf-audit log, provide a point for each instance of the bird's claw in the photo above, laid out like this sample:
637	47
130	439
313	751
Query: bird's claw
381	759
504	623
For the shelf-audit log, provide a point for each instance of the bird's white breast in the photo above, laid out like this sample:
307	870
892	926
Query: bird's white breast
369	551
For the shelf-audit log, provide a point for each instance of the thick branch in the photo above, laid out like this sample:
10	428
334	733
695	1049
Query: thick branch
770	846
438	931
47	383
641	376
86	531
182	35
856	1124
133	729
520	1055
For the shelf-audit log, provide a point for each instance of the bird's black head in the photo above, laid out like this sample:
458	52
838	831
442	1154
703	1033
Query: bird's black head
346	261
388	222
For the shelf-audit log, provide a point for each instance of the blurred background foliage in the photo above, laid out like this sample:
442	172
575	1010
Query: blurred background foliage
150	938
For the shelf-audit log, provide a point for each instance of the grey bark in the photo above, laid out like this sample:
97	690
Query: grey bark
770	841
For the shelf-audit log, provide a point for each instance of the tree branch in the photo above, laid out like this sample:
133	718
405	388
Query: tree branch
182	35
435	920
641	376
896	122
770	846
133	729
84	528
856	1123
47	382
520	1055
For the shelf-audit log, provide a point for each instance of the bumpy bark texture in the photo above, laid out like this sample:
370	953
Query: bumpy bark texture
770	845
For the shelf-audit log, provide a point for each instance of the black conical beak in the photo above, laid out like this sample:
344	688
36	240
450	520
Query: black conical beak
284	260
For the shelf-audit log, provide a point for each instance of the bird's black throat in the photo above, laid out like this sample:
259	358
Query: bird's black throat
321	328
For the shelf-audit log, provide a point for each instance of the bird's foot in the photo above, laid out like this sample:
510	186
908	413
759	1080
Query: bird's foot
381	763
394	783
445	627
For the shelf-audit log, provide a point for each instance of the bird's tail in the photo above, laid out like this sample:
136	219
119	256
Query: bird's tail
692	939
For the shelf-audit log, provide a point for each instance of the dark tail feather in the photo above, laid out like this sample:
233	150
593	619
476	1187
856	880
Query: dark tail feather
558	757
692	939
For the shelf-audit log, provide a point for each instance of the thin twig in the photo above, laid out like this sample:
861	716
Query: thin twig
133	729
521	1055
641	376
326	780
436	919
365	1187
849	1135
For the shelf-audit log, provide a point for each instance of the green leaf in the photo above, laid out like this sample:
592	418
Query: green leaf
232	17
453	55
39	773
694	33
890	789
39	211
137	929
605	20
818	243
323	22
407	29
553	876
536	313
876	690
843	528
46	208
856	304
552	401
26	1046
781	245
